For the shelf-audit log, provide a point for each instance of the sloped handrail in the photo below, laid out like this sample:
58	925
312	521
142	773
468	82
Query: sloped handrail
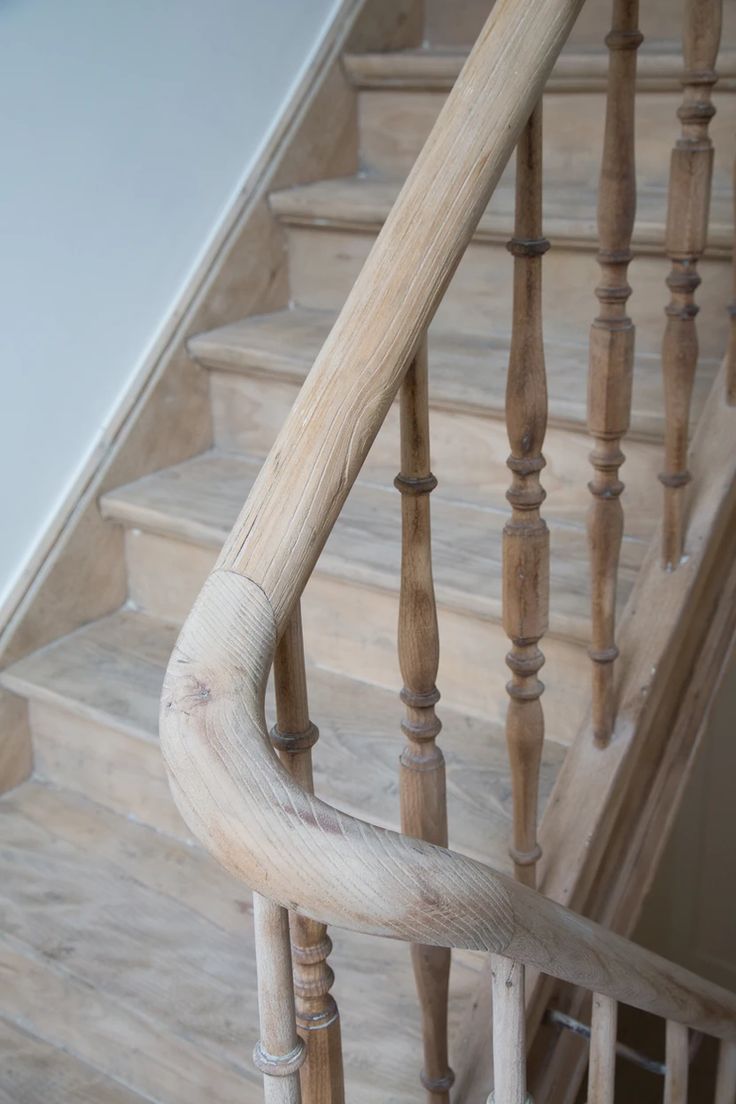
227	781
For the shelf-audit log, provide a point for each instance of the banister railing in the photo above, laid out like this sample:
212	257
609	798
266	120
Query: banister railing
257	813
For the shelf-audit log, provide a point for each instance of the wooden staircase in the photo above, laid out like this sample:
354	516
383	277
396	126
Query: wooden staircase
127	956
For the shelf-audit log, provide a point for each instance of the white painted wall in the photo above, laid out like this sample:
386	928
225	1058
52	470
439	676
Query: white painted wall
127	127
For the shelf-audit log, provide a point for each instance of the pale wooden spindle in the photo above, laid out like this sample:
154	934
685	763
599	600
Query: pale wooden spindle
525	536
602	1063
423	804
677	1062
509	1032
691	170
280	1052
726	1075
611	355
317	1016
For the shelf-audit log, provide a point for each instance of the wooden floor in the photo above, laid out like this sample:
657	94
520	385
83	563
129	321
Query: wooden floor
128	973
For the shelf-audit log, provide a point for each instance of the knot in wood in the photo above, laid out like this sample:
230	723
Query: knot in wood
675	479
527	247
279	1065
415	484
293	742
623	40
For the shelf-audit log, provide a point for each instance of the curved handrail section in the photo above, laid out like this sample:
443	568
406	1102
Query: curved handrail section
227	781
286	844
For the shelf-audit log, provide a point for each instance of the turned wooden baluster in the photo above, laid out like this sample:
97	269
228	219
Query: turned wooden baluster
317	1016
280	1052
677	1063
509	1032
525	536
602	1064
611	355
691	169
423	806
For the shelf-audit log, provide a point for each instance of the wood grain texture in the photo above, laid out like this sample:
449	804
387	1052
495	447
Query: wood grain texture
16	750
293	736
525	535
691	170
677	1061
241	802
726	1075
134	952
611	356
466	371
386	314
280	1052
602	1065
509	1032
423	785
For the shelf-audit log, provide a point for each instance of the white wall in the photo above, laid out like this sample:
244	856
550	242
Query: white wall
127	127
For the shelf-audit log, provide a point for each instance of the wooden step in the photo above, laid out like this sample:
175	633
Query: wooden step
467	372
331	226
659	68
94	716
660	20
177	519
129	974
401	94
258	364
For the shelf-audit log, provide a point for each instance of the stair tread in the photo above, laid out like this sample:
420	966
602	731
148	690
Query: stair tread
112	671
363	202
133	952
659	65
199	501
467	372
33	1071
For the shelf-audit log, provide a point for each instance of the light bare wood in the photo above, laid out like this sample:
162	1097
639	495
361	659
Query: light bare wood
691	170
248	811
726	1075
303	484
422	782
280	1052
317	1017
677	1061
611	356
509	1032
525	535
602	1063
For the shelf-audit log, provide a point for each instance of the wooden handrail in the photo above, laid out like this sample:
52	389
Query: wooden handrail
229	785
289	846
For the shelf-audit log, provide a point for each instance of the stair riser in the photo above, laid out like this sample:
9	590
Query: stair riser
460	24
351	629
324	263
468	452
395	123
115	768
